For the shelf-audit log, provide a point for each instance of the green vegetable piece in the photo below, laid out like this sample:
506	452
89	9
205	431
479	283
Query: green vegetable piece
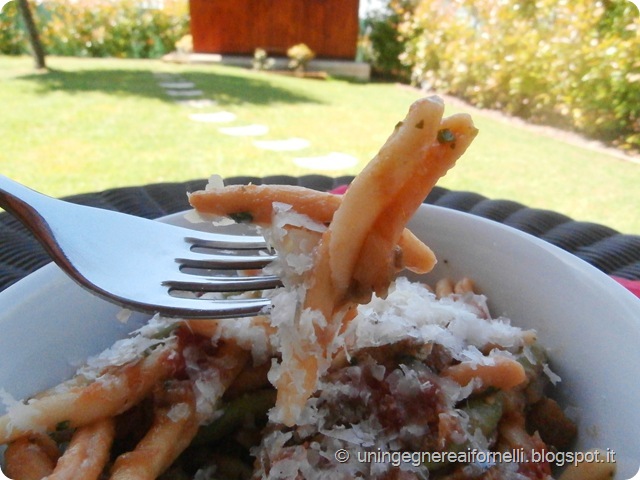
250	405
539	356
166	331
446	136
484	413
241	217
64	425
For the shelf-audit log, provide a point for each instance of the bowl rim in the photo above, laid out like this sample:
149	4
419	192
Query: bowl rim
489	238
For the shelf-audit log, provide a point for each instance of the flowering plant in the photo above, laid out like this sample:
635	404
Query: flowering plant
300	55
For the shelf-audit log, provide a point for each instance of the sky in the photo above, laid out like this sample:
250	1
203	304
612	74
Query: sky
367	5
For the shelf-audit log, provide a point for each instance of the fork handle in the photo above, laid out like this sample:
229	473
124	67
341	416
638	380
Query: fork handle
30	207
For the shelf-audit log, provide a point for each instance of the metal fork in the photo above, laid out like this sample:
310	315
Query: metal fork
145	265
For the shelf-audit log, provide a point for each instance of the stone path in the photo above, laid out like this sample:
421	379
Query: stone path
186	93
251	130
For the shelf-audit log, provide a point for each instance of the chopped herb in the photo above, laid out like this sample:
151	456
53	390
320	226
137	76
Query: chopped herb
398	125
420	124
241	217
446	136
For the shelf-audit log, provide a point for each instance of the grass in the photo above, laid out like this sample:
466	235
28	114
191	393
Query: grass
92	124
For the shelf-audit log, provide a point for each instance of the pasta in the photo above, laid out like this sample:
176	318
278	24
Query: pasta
254	203
113	393
87	453
32	456
174	427
503	373
356	255
353	356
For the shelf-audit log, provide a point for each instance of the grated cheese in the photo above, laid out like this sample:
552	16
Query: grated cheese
127	349
461	324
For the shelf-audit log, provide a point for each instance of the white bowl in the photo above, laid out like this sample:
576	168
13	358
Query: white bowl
589	324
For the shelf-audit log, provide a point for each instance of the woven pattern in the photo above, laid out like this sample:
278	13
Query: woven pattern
601	246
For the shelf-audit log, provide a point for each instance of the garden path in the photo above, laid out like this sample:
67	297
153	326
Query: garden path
186	93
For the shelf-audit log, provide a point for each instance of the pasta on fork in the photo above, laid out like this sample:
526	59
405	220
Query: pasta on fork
353	367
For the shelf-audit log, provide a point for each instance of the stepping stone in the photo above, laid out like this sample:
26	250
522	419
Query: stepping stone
214	117
184	93
332	161
178	85
245	130
288	145
197	102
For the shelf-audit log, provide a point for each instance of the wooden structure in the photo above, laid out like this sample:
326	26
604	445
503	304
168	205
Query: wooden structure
238	27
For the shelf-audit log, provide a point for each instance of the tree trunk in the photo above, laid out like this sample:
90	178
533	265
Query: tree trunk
34	37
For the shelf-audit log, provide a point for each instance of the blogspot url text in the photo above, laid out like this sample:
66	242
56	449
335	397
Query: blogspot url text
559	459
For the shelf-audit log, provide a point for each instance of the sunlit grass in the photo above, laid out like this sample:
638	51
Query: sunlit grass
94	124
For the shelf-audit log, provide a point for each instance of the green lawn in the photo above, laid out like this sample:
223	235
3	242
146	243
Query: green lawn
91	124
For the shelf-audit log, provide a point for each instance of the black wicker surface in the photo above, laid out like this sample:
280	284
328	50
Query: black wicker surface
612	252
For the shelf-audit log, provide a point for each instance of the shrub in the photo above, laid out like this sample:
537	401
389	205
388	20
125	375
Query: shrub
565	63
382	46
13	39
102	28
261	60
299	57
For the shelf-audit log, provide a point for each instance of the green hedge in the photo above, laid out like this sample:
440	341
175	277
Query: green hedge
13	40
568	63
381	46
97	28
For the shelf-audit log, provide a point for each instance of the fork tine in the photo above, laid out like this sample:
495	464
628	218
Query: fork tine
214	308
192	283
126	259
228	242
219	261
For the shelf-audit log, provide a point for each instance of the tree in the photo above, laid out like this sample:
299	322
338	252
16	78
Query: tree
34	37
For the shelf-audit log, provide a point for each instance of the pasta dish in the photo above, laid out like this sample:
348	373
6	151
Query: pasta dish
359	369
